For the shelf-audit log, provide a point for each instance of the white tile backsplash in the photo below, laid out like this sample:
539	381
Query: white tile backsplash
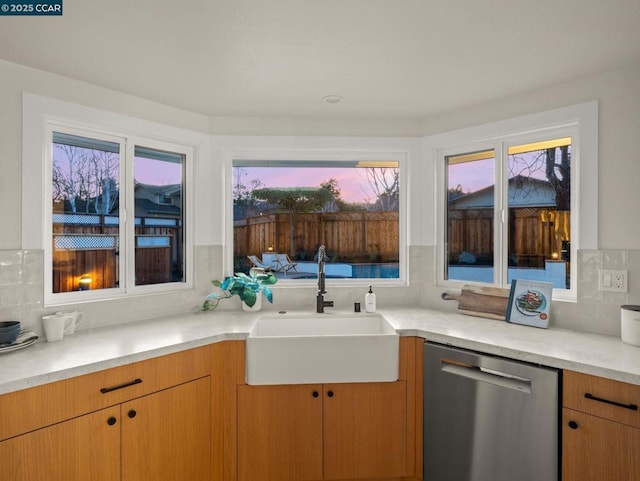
22	274
9	258
599	311
22	293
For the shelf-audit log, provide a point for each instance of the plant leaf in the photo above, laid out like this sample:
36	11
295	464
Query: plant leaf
248	296
226	283
243	276
268	294
268	279
247	287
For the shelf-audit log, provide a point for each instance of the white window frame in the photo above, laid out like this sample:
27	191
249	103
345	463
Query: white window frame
42	116
332	156
580	122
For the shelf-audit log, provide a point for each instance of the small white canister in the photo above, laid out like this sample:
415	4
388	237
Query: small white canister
630	324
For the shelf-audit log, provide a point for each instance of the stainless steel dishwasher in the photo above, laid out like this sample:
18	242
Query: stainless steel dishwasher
488	418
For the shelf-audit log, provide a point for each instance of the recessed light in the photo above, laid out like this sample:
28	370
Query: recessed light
332	99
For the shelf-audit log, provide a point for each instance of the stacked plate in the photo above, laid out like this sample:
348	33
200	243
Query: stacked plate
13	338
9	331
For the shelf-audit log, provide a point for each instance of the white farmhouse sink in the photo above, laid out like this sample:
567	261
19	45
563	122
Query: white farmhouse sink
321	348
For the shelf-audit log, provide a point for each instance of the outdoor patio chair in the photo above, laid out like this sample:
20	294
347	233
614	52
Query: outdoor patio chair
285	264
257	263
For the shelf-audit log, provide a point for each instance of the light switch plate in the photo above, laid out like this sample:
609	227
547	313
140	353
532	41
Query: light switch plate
612	280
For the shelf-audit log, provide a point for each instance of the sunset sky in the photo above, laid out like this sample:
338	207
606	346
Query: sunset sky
352	182
154	172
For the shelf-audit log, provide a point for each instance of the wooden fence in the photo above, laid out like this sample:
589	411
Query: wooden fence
91	248
536	235
69	265
348	236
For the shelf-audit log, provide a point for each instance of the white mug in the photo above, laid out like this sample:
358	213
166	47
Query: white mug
76	317
55	325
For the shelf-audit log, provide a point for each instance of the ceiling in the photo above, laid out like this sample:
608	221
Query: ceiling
405	59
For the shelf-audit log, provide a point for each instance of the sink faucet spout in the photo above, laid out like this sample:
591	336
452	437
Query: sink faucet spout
320	302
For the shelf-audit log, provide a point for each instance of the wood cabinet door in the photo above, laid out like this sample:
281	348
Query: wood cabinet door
166	436
86	448
280	433
596	449
365	430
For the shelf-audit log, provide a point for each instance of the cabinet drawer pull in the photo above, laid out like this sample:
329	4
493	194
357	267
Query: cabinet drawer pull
573	425
132	413
633	407
105	390
330	393
315	394
111	421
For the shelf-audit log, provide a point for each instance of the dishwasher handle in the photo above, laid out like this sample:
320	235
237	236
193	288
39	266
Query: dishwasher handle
482	374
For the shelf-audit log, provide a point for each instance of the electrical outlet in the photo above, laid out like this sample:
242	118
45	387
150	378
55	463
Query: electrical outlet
612	280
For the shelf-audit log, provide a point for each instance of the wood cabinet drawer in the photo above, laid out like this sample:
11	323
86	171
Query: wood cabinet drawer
596	449
62	400
605	398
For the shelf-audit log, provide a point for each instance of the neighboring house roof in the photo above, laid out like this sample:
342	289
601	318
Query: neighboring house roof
145	207
169	189
523	192
148	208
455	195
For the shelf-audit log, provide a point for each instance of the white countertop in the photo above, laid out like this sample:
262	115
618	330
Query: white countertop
92	350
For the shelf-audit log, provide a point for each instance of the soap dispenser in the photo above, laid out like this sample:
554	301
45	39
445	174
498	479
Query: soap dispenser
370	301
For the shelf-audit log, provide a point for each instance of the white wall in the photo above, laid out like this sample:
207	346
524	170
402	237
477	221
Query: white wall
18	79
618	94
618	233
21	271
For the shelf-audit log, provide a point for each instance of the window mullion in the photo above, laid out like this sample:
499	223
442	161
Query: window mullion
127	262
498	215
501	261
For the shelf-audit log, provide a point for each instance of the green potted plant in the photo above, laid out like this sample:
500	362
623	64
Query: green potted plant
247	287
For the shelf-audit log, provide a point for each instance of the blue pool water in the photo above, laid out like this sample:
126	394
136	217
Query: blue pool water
376	271
308	270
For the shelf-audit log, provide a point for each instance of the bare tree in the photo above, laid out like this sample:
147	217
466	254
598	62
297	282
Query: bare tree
243	199
68	178
558	172
552	164
385	184
85	176
105	185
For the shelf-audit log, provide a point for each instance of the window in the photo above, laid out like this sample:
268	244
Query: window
110	233
284	209
511	205
85	213
537	206
159	246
